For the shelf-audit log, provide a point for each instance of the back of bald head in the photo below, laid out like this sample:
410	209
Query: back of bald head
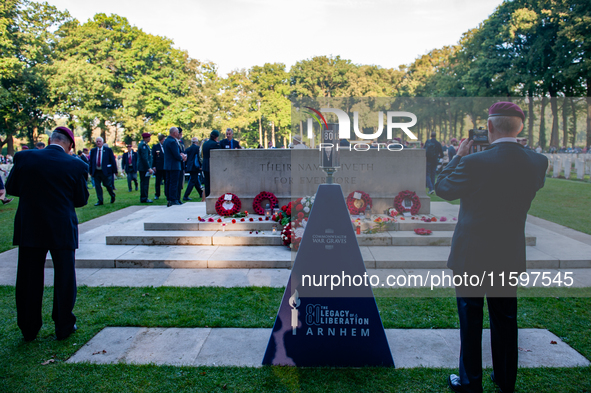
173	130
507	125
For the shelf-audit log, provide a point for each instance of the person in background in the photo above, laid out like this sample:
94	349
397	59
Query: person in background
103	166
183	164
194	168
211	144
129	166
46	221
40	145
451	149
434	153
173	160
230	142
158	165
3	190
144	166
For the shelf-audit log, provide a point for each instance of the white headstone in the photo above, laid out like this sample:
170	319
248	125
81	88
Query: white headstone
557	165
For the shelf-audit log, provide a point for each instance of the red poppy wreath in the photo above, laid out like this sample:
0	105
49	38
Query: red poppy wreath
226	207
399	202
258	202
358	205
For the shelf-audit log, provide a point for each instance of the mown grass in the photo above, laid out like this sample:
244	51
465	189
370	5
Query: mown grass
97	308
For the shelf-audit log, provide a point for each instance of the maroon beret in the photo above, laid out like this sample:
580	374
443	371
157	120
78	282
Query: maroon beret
505	108
67	132
24	147
146	135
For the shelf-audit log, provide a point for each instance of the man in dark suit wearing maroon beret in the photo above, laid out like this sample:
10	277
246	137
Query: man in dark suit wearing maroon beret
496	187
46	221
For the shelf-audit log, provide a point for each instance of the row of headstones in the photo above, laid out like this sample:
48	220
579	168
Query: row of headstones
560	162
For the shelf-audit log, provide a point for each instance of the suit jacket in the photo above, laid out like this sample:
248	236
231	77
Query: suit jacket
125	162
158	158
192	154
209	145
438	148
108	164
50	184
172	155
225	144
496	188
144	161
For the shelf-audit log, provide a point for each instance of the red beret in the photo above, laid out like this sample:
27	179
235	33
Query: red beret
146	135
24	147
505	108
67	132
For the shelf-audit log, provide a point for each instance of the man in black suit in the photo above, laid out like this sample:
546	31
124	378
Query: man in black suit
144	166
173	160
194	168
230	142
129	164
50	184
211	144
103	166
183	164
496	187
433	151
158	165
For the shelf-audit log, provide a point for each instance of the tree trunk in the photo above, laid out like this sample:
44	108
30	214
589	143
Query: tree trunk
564	122
266	140
261	134
273	133
574	120
588	112
530	120
9	145
554	141
542	138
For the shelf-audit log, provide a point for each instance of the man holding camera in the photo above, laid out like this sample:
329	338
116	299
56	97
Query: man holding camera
496	187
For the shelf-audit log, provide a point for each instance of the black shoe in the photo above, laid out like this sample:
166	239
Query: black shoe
74	328
175	203
168	204
98	204
112	199
128	190
136	188
29	337
453	381
187	199
147	201
156	197
6	200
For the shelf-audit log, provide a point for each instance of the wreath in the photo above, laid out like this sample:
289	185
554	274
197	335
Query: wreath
258	200
399	202
357	206
228	208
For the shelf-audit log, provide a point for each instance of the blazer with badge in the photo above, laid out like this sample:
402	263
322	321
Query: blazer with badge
495	188
233	144
209	145
172	155
192	155
144	161
108	163
125	162
158	157
46	215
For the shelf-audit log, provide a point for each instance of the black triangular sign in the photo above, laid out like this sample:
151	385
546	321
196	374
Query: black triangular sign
319	326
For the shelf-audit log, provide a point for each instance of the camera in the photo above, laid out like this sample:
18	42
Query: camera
479	136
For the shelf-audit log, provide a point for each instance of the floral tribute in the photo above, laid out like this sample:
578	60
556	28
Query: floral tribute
357	206
294	217
226	208
257	203
399	202
422	231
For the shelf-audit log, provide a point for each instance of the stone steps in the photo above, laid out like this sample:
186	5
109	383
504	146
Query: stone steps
267	238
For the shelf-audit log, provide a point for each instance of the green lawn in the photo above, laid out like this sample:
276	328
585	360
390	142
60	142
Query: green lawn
21	369
124	198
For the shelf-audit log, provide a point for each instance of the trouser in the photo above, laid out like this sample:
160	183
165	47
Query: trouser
431	166
193	182
99	179
131	176
144	185
160	178
29	290
206	179
503	336
172	186
181	184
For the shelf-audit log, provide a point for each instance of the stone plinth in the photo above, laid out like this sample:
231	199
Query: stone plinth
290	174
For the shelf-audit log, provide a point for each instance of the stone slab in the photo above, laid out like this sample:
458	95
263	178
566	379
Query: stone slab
166	257
411	348
94	255
250	257
161	238
247	238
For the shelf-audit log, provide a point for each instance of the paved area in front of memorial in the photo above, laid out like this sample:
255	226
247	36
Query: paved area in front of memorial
245	347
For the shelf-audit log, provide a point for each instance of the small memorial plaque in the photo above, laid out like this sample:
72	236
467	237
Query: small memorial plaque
228	197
